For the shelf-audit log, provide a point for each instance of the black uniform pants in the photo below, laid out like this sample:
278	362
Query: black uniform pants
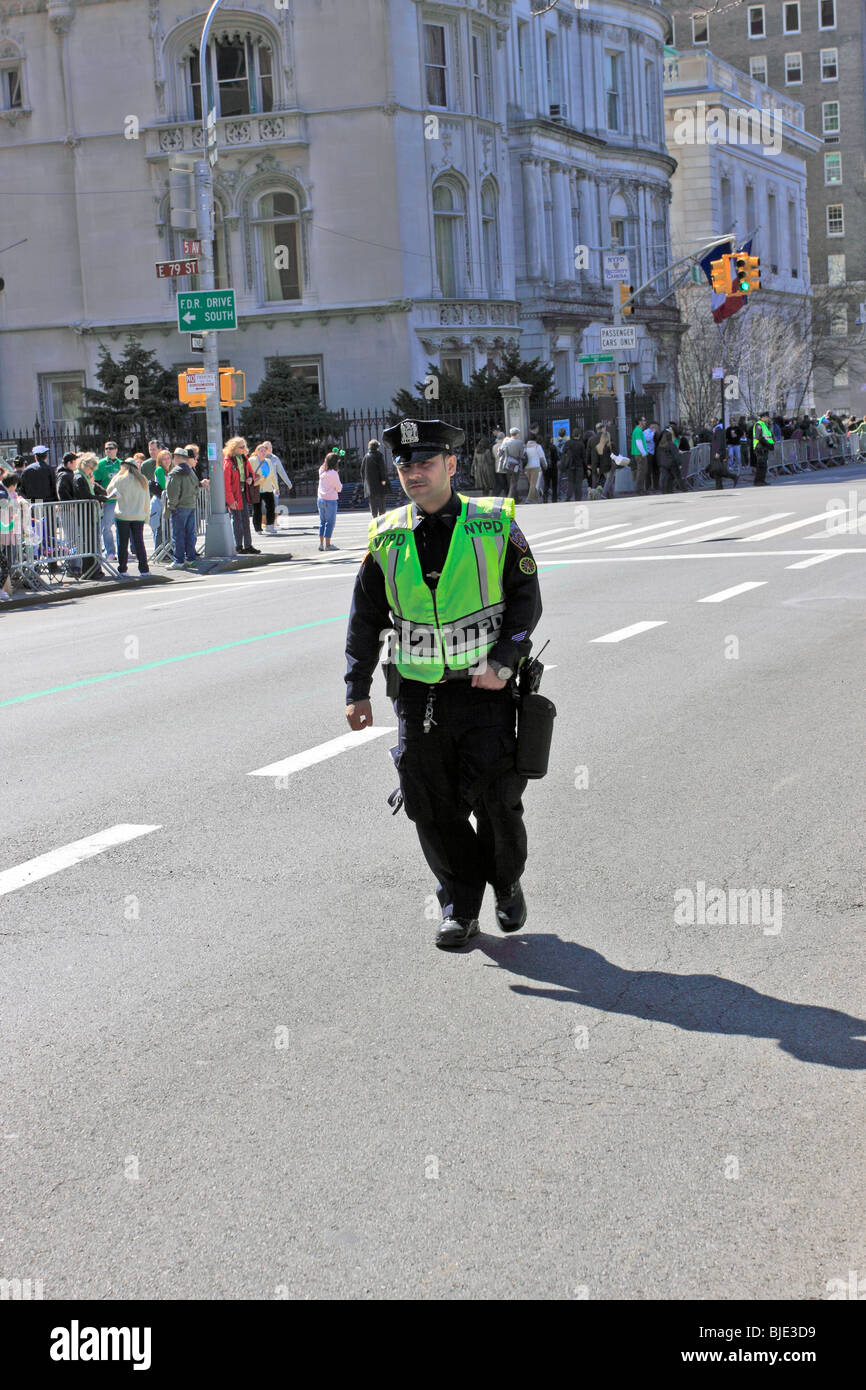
760	478
463	767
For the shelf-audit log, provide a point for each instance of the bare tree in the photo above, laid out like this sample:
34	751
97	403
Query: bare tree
700	351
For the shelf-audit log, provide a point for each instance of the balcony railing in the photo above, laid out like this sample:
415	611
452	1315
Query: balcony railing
233	132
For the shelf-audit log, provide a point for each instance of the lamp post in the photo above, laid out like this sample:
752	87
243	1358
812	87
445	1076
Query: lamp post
219	538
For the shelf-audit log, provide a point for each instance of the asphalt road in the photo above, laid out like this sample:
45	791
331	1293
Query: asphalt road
236	1067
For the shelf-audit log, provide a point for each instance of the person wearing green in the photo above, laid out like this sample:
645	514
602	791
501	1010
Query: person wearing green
762	443
639	457
105	470
450	582
181	494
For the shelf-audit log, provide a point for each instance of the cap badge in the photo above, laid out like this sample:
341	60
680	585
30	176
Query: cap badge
408	432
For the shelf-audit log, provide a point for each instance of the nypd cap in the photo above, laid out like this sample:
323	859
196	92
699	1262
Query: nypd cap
416	439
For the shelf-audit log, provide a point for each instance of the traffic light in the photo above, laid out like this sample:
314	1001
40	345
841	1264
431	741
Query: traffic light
625	292
753	270
720	275
741	274
233	389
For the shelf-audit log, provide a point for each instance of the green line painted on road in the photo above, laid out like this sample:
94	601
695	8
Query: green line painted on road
170	660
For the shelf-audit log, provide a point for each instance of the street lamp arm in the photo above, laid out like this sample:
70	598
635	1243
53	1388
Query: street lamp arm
691	259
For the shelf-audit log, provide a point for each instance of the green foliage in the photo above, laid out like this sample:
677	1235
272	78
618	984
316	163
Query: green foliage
282	397
481	392
136	396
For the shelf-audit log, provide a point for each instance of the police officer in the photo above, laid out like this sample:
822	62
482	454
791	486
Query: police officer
452	585
762	443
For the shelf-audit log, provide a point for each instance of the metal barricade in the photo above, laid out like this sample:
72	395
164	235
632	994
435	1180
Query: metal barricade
165	550
53	540
697	463
13	511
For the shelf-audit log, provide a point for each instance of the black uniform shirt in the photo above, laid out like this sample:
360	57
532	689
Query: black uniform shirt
370	614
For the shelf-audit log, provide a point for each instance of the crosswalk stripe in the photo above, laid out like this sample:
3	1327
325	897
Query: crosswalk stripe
567	543
67	855
793	526
622	633
638	530
724	594
816	560
680	531
310	756
533	540
726	534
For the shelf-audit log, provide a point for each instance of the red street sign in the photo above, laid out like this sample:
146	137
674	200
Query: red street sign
166	270
191	248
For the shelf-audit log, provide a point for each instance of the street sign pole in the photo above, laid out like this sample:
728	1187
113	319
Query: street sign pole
219	538
620	379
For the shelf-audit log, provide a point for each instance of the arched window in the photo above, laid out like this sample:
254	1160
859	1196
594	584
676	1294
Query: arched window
277	228
490	237
450	227
241	75
11	67
221	267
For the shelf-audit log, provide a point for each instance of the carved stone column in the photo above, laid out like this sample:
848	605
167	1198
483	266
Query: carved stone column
564	251
531	221
543	181
61	16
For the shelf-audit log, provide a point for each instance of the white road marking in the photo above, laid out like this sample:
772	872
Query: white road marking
553	532
64	858
725	534
567	543
700	555
622	633
816	560
724	594
637	531
680	531
310	756
794	525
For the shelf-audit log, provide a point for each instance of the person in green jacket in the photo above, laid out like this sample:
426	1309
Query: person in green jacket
107	468
181	492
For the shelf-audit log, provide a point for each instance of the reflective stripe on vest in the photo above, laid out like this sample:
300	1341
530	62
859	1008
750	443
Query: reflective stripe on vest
460	623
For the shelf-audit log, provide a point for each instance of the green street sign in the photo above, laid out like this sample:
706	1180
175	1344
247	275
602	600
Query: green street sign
207	310
596	357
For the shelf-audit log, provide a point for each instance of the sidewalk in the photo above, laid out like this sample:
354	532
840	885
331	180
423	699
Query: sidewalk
297	539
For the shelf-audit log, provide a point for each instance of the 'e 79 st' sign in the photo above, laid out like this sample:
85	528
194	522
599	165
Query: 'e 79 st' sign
208	309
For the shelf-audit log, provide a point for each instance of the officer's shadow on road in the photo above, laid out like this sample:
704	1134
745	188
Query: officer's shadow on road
700	1003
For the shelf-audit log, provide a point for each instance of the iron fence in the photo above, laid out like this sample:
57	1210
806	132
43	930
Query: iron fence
301	444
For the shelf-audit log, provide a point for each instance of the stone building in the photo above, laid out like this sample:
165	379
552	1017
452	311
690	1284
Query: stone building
741	152
813	52
398	182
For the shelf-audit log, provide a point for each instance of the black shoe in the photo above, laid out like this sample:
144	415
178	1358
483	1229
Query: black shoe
510	907
251	550
455	932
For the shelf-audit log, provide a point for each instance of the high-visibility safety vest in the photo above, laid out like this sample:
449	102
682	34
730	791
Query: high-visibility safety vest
762	434
458	623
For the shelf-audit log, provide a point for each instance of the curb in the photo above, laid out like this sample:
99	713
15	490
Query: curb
83	590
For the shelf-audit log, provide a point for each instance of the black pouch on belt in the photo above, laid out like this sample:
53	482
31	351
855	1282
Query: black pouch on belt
535	718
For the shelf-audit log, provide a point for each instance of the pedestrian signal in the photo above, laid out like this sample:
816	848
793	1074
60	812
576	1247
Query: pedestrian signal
720	275
233	389
625	292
